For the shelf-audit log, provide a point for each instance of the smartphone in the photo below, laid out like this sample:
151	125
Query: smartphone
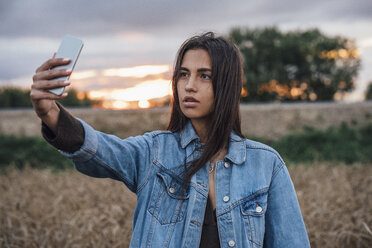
70	48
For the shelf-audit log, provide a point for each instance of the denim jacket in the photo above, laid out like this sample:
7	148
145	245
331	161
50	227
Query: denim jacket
256	204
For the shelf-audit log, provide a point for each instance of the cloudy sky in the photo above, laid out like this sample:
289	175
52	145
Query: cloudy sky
130	33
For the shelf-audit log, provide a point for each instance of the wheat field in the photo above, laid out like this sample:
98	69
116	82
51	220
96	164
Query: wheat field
39	208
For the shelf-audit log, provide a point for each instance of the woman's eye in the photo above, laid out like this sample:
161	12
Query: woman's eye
205	76
183	74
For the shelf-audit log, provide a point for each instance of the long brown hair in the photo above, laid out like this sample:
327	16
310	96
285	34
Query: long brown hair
227	75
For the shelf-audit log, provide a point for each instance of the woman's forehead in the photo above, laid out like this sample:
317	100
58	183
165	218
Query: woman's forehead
196	58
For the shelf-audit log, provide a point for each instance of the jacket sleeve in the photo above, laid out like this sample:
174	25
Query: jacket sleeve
284	225
107	156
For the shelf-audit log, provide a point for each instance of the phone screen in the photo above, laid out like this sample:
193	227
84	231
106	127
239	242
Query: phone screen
70	48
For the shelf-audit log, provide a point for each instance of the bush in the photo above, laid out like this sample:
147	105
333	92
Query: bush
342	144
32	151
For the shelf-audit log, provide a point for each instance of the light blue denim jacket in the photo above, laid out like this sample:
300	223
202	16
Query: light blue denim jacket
256	204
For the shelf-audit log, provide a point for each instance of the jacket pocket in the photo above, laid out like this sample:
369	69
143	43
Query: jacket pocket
253	210
167	204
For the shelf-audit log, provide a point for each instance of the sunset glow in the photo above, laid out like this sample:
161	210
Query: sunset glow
143	91
102	85
119	105
136	71
144	104
140	94
340	53
77	75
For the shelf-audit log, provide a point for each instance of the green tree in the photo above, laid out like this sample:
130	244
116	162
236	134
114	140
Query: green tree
12	97
298	65
76	99
369	92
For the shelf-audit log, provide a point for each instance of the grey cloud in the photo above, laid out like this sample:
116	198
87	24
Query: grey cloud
53	18
89	17
268	13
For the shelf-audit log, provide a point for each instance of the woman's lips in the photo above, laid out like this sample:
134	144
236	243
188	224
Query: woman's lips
190	102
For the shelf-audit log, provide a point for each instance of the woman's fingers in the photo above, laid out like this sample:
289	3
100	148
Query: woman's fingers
41	95
43	100
53	62
49	84
44	72
50	74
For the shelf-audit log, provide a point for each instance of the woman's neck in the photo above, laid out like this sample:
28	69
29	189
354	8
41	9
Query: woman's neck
201	127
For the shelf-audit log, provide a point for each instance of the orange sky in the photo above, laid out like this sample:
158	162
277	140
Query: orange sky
146	82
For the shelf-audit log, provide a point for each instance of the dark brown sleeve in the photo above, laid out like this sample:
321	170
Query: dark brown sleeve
70	133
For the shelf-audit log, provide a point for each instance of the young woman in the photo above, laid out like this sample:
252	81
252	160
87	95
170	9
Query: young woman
200	183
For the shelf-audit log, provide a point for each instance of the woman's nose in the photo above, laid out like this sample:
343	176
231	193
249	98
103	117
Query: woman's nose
190	84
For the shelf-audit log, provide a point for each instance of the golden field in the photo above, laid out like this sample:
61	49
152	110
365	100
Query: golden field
39	208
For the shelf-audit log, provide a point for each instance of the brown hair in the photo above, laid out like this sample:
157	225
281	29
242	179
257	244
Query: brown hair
227	75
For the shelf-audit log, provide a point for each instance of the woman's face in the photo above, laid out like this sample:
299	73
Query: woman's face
194	86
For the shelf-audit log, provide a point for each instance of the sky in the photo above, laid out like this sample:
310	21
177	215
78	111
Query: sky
123	36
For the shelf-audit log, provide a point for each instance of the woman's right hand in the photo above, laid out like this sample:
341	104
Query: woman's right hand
42	100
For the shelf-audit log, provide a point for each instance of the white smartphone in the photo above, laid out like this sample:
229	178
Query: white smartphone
70	49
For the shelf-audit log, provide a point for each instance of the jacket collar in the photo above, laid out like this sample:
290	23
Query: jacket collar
188	134
237	147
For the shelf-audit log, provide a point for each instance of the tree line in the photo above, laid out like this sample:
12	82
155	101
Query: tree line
13	97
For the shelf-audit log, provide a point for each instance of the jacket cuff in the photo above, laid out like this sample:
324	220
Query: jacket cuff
70	132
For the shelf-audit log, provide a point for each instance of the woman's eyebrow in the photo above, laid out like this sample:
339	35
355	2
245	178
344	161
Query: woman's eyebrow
204	70
199	70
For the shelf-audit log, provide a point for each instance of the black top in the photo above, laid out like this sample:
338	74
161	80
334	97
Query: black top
70	137
209	236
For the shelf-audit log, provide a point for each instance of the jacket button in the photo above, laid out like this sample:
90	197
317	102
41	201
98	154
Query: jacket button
258	209
227	165
231	243
226	198
171	190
